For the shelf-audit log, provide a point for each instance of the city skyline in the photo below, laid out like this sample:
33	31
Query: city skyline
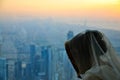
33	52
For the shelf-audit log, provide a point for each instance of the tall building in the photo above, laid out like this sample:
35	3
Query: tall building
32	59
18	70
68	67
3	69
60	75
70	35
32	52
28	72
0	49
0	44
37	65
44	63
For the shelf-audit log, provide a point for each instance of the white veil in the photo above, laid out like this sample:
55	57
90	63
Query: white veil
106	64
93	56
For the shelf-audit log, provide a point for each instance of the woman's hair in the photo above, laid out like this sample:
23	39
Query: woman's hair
79	50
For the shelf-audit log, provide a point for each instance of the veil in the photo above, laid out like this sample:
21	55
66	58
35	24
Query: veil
108	63
93	56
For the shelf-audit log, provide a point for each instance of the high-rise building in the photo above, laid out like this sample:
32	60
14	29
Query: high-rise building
70	35
18	70
0	44
3	69
0	49
32	52
37	65
23	71
28	72
68	67
32	59
44	63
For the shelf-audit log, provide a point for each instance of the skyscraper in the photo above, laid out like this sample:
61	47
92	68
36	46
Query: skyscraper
3	69
32	52
32	59
70	35
0	43
18	70
68	66
44	61
28	72
0	48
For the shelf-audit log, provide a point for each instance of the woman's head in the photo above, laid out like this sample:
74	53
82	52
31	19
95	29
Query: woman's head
80	52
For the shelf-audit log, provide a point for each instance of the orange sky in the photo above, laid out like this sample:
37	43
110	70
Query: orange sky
63	8
104	13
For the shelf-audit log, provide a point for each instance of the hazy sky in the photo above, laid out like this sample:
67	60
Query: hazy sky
81	8
84	9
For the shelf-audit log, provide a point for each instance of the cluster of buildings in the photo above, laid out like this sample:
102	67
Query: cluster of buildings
46	62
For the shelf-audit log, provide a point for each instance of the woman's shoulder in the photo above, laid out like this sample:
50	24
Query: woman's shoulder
103	72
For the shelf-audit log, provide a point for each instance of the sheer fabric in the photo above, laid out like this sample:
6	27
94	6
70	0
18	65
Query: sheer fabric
93	56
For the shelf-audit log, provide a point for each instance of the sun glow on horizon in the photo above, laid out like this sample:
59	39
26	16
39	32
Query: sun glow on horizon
62	8
82	9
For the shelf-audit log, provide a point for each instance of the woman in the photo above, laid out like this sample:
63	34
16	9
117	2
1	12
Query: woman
93	57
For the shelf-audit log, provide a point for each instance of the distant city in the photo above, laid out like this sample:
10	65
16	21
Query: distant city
37	53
